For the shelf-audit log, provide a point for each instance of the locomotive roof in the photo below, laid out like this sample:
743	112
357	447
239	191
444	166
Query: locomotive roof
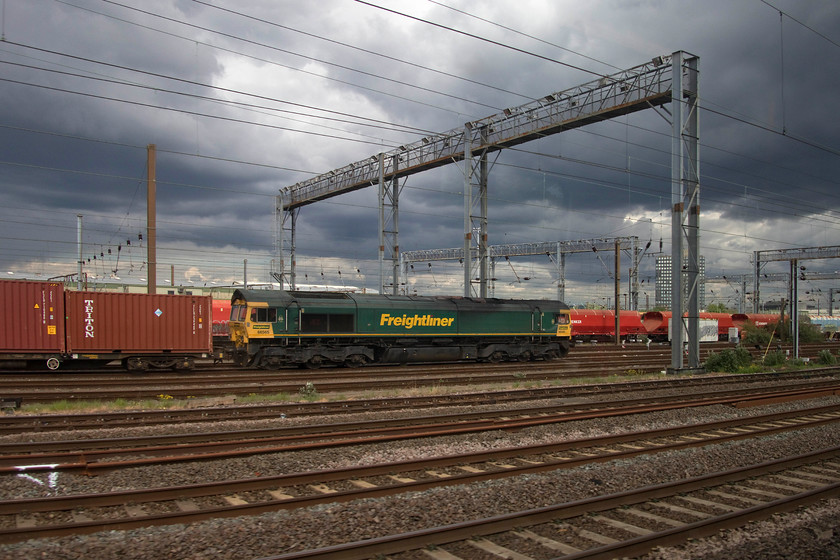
284	297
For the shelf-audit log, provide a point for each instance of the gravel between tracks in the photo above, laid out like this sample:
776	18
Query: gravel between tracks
808	533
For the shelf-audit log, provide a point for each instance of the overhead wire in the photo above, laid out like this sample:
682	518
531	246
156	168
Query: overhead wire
286	51
363	50
360	120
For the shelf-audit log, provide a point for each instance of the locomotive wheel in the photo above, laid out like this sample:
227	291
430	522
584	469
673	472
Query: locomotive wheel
497	357
524	357
355	360
314	362
271	364
552	355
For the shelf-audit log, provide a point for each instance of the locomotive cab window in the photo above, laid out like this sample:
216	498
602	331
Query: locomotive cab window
561	319
238	313
264	315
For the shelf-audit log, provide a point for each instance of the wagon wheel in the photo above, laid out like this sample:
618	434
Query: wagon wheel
185	364
355	360
135	363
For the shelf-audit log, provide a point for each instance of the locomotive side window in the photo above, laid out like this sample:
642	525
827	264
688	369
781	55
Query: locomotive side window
322	322
561	319
264	315
341	323
313	322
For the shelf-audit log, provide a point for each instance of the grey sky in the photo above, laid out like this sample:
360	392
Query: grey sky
244	98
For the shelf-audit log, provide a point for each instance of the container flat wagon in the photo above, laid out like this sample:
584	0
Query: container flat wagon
45	323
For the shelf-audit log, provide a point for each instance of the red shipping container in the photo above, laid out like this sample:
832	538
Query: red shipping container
109	322
31	317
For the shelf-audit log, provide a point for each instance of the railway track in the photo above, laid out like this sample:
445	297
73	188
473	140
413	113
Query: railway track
78	514
13	424
90	456
43	388
586	361
617	525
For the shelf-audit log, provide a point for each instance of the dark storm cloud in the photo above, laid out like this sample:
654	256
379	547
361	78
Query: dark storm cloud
220	164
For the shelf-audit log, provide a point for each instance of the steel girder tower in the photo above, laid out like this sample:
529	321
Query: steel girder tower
685	218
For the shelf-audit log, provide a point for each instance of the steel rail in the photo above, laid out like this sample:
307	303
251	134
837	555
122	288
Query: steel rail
438	536
43	388
379	431
479	466
10	424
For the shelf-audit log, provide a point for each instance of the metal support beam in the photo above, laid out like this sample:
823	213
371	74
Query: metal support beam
617	276
389	205
561	275
475	215
794	306
627	91
685	218
285	220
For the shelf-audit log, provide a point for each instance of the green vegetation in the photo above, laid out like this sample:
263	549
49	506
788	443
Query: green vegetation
309	392
826	358
756	336
729	360
739	360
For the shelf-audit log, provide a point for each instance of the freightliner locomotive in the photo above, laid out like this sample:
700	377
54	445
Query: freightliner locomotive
276	328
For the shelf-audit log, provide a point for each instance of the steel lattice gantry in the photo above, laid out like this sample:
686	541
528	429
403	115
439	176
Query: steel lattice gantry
793	256
549	248
741	280
667	79
638	88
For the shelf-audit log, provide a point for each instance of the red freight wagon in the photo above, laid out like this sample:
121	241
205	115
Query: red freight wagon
221	316
599	324
141	330
31	321
759	319
656	324
724	322
222	344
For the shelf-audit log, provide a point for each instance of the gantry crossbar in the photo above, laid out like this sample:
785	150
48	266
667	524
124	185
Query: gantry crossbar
624	92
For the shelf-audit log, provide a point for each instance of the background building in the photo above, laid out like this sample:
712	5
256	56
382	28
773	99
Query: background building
663	283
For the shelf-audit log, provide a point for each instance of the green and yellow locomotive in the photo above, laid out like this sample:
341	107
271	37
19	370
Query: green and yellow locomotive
276	328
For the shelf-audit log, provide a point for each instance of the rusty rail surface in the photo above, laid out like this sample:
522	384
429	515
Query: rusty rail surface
35	518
